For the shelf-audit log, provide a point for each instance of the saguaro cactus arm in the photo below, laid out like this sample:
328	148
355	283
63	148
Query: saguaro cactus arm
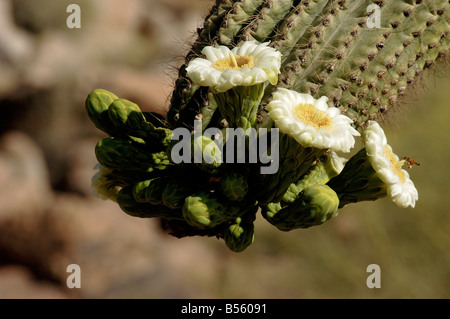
328	49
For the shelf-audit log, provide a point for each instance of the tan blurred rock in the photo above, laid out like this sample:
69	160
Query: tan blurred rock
24	178
15	50
17	283
29	235
15	44
55	60
38	240
128	47
80	166
150	91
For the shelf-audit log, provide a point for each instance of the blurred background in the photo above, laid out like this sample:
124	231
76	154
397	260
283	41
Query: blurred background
50	219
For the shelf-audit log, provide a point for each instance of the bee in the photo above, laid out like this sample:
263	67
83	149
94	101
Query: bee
410	162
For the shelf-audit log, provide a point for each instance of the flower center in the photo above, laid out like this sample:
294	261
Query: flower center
309	115
234	62
396	165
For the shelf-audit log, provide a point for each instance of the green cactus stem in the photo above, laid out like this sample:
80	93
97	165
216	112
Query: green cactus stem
239	106
294	161
320	173
358	181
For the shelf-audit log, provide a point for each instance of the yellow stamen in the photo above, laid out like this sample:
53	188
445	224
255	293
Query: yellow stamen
309	115
234	62
396	165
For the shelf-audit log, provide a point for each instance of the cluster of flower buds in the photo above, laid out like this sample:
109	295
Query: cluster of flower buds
210	184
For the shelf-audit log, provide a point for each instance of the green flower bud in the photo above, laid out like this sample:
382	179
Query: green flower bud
159	137
314	206
160	160
240	233
97	104
139	189
211	155
118	153
129	205
154	190
328	166
291	193
294	161
234	186
271	209
204	210
150	190
128	120
175	192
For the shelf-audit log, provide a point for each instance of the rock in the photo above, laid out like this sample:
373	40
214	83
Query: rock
38	240
16	282
24	177
150	91
48	216
15	44
29	235
80	166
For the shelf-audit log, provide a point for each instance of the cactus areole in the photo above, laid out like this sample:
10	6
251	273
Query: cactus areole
295	82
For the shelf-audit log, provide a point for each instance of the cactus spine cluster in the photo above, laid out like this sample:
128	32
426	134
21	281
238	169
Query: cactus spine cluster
328	48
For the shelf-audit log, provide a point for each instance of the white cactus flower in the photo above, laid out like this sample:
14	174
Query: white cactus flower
400	188
311	122
251	63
